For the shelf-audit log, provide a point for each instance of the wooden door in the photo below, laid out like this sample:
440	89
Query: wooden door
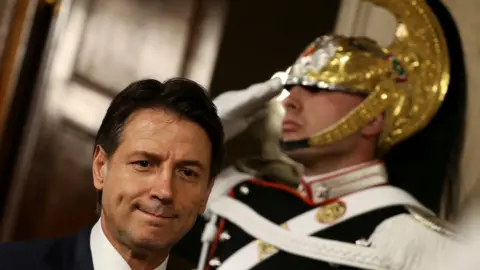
96	48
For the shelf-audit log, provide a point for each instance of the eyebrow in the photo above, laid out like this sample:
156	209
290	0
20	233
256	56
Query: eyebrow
148	155
157	159
194	163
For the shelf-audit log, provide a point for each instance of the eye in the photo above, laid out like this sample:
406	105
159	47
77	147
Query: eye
188	173
142	164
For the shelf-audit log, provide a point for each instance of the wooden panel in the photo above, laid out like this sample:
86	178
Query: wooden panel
125	40
20	66
70	200
30	178
84	107
16	19
62	200
207	31
7	10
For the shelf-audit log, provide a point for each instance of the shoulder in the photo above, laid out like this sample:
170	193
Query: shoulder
28	254
23	254
414	240
25	246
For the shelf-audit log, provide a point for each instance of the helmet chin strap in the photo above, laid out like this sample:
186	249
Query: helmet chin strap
294	145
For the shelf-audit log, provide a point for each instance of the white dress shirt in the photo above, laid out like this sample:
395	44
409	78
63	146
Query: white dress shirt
105	256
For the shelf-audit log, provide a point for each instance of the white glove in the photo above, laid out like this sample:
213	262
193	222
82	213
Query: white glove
238	109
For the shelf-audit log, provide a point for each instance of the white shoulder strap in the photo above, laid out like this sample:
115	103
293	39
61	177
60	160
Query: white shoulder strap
297	241
225	181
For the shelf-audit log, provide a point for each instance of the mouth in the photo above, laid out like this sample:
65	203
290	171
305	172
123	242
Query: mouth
159	213
290	126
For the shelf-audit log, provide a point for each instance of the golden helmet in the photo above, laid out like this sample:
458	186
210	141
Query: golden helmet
407	81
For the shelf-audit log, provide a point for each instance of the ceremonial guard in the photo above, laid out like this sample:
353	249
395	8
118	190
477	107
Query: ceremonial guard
378	131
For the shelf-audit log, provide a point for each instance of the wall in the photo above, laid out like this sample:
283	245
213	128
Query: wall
465	13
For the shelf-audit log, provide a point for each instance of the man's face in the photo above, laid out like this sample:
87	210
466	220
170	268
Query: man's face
157	181
307	112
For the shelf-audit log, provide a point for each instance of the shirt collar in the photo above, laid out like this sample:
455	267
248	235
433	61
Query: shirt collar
320	188
105	256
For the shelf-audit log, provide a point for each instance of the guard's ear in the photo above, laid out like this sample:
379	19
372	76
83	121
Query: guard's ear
99	167
374	127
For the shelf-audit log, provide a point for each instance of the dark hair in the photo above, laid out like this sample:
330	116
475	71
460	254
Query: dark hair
178	95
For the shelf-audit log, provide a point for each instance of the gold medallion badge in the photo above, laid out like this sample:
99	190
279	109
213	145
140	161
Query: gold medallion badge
331	212
265	250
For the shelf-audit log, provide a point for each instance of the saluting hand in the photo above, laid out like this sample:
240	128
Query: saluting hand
239	108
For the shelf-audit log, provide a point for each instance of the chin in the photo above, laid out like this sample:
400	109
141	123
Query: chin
150	237
292	137
154	242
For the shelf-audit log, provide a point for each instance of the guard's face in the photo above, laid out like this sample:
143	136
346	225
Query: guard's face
157	181
308	112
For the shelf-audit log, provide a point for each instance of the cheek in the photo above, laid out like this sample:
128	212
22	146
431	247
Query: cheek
122	187
324	113
191	198
321	115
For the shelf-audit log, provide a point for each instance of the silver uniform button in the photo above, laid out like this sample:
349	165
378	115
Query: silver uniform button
244	190
215	262
363	242
224	236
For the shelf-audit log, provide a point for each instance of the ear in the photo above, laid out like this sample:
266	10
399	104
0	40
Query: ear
203	203
374	128
99	167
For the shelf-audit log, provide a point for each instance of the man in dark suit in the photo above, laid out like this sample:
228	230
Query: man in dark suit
156	154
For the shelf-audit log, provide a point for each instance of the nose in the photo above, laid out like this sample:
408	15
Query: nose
162	188
294	99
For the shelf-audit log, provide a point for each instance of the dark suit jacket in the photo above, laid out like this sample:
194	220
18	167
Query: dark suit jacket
68	253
